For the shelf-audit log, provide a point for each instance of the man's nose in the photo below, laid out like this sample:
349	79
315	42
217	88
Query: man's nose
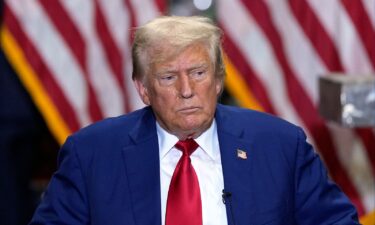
186	86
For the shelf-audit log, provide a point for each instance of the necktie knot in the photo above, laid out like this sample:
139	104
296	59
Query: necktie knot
187	147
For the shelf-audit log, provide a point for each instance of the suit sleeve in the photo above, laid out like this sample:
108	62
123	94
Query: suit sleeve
65	200
317	199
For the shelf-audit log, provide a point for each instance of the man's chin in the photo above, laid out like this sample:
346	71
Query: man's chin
194	127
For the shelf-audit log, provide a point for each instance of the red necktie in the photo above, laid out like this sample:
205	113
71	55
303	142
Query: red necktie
184	205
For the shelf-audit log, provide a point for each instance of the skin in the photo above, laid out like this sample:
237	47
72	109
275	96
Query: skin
182	92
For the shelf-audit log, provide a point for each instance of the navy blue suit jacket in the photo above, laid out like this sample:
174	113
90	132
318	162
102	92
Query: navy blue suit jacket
108	174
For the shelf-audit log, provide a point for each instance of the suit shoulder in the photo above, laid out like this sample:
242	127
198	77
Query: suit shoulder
105	139
242	117
110	128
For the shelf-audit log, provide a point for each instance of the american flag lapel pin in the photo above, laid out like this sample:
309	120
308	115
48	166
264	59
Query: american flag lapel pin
241	154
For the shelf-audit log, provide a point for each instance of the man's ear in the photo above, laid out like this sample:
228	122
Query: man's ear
219	86
142	91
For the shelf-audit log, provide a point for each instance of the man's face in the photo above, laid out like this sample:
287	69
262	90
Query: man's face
182	92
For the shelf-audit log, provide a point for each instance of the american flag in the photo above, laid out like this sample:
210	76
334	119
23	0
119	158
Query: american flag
241	154
73	56
277	49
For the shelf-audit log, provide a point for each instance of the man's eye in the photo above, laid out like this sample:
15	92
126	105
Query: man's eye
198	73
167	78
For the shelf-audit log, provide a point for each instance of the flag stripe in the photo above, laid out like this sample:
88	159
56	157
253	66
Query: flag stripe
369	6
117	19
368	140
118	16
144	10
162	6
111	50
316	33
363	25
297	56
258	53
244	68
72	37
111	102
301	102
32	19
135	101
44	75
133	19
340	28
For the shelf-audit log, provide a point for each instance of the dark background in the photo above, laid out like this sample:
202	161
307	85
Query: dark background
27	149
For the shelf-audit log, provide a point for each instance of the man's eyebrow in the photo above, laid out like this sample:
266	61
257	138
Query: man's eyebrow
198	66
166	70
174	70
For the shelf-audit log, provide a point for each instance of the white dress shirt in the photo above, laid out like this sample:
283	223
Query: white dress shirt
207	165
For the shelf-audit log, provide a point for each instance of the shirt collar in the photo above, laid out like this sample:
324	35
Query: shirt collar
166	141
208	141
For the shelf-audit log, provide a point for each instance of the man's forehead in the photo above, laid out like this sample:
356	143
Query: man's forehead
170	58
176	67
166	52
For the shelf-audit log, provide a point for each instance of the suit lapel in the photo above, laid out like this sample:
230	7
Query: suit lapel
236	170
142	169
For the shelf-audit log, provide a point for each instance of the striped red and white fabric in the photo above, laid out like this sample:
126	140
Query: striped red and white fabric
74	56
276	50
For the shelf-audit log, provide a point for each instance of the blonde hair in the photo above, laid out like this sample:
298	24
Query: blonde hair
169	35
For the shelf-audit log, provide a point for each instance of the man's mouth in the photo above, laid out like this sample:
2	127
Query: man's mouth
191	109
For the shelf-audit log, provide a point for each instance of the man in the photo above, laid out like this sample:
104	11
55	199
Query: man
184	159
